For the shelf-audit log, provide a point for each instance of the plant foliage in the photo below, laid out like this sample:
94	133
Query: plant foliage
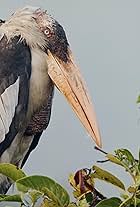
42	191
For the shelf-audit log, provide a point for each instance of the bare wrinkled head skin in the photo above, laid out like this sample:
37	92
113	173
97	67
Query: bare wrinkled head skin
54	33
40	30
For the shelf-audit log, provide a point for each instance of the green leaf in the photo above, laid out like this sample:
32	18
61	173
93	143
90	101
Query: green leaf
114	159
138	99
138	201
47	203
128	161
101	174
72	205
125	154
138	194
45	185
11	171
127	202
89	197
111	202
11	198
83	203
35	195
139	162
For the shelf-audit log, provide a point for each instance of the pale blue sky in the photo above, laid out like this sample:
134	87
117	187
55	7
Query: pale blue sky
104	36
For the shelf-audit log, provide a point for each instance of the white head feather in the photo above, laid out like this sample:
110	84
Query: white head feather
23	23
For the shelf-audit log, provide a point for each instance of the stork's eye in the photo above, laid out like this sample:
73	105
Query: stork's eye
48	32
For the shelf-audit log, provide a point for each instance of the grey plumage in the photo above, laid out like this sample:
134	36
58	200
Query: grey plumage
17	58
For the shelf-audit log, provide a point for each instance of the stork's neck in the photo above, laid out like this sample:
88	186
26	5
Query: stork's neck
26	27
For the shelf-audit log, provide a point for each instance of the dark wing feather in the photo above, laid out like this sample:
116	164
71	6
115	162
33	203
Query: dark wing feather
15	70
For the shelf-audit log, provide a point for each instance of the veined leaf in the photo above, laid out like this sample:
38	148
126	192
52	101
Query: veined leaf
45	185
11	171
101	174
11	198
111	202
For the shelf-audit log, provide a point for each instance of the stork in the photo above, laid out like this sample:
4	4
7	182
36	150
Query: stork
35	56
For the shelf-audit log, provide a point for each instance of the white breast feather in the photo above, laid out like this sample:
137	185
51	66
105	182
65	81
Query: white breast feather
39	81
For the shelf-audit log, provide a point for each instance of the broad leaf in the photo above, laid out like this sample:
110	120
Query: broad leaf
45	185
11	198
106	176
111	202
11	171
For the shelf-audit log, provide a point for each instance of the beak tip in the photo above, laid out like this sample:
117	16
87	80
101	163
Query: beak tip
99	144
97	136
98	141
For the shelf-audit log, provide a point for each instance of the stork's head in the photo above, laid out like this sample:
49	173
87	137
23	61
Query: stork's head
65	74
40	29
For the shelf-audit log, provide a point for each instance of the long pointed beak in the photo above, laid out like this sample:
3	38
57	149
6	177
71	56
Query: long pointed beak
67	78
